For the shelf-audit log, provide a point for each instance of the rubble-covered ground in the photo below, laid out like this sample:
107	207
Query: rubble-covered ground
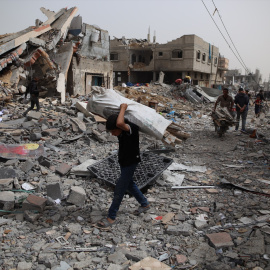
224	226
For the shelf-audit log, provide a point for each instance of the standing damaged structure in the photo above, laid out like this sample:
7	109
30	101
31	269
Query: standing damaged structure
67	56
142	61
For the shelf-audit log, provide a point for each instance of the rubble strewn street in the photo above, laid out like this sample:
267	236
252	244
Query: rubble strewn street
209	195
50	203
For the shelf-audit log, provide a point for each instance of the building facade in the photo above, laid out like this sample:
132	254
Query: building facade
91	64
140	61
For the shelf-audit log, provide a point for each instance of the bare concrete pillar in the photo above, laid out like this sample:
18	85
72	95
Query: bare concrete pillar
154	76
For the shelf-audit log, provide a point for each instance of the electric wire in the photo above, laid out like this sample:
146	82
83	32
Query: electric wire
224	36
216	9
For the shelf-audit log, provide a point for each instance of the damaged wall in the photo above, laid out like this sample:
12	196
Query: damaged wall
187	55
87	73
96	43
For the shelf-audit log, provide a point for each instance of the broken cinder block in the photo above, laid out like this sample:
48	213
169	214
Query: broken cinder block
7	200
77	196
63	169
34	202
27	166
54	190
220	240
44	161
34	115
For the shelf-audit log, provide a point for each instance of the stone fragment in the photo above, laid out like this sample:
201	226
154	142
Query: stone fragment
50	132
31	216
200	224
6	173
212	191
63	266
34	202
114	267
82	168
80	124
27	166
12	162
255	245
136	255
83	264
44	161
74	228
7	200
6	184
81	106
99	136
220	240
117	257
63	169
149	263
47	259
35	136
181	258
28	124
204	253
54	190
24	266
77	196
34	115
181	229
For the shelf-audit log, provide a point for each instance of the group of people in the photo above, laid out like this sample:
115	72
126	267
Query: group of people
241	101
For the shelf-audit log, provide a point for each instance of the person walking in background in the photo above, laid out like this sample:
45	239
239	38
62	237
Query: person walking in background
241	103
32	89
258	103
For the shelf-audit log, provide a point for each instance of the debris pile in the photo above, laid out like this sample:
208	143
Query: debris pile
59	52
209	208
209	197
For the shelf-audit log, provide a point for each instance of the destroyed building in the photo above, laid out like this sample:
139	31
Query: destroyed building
66	55
141	60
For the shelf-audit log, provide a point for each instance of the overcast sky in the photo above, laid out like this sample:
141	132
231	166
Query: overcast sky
247	22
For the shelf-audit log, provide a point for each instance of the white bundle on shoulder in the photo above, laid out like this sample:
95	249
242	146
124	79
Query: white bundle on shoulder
106	102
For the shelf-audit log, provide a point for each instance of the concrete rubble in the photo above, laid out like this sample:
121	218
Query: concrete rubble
50	201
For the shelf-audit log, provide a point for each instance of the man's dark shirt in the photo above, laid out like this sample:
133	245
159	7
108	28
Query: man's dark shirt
129	151
32	89
241	99
261	96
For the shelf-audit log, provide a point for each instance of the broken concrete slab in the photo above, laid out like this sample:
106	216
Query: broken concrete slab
80	124
34	202
27	166
7	200
34	115
81	106
77	196
181	229
63	169
6	173
149	263
23	37
82	168
220	240
44	161
54	190
6	184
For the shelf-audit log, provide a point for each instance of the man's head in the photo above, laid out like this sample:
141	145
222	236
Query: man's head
261	91
225	92
241	90
111	125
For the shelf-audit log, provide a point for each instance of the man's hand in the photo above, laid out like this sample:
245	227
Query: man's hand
123	106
